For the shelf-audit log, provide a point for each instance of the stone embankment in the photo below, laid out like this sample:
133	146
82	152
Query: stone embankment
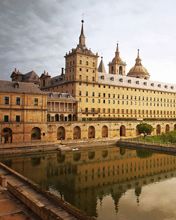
38	147
44	204
129	143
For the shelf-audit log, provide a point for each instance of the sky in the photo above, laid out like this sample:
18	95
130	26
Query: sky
36	34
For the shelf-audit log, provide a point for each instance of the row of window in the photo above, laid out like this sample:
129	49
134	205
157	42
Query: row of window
104	101
129	89
71	63
130	111
128	97
18	101
17	118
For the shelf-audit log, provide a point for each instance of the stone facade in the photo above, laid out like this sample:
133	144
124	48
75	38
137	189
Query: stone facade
23	109
85	102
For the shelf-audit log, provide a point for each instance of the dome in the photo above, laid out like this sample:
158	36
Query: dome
138	70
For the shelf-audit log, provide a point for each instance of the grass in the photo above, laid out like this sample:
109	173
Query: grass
166	138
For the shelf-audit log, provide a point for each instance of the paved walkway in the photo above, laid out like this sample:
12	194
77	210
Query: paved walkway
12	209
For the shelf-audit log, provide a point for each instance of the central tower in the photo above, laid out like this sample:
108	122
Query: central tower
81	62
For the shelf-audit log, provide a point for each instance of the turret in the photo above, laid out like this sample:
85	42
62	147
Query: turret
117	66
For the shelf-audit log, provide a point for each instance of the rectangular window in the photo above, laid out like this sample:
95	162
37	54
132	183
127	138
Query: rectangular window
36	101
6	118
18	101
18	118
6	100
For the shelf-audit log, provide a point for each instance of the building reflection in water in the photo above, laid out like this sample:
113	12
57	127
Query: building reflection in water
85	177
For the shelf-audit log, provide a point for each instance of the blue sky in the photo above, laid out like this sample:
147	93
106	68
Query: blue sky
35	35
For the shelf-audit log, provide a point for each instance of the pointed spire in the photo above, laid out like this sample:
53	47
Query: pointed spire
138	59
101	67
82	27
82	37
117	51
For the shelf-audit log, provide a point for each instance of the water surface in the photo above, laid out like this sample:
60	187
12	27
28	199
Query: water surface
107	182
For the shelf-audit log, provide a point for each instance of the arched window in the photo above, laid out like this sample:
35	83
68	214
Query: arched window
104	131
167	128
7	135
69	117
175	127
120	70
61	133
36	133
91	132
56	117
122	131
158	129
77	132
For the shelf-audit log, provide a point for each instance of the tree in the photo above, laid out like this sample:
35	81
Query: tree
144	128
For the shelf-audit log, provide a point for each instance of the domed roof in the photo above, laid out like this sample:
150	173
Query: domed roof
138	70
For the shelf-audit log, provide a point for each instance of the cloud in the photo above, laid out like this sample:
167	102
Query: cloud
35	33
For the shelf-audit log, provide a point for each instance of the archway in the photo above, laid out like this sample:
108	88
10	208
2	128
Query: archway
56	117
77	132
74	117
61	133
7	135
48	118
36	133
70	117
174	127
91	132
167	128
62	117
104	131
158	129
122	131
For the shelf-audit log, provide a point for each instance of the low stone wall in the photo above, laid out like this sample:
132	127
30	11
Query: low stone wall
152	146
21	187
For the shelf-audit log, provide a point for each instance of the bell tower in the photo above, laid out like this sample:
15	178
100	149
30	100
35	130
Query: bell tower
117	66
81	62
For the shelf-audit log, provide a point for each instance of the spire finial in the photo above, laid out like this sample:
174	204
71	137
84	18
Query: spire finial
117	50
82	37
82	27
138	53
138	59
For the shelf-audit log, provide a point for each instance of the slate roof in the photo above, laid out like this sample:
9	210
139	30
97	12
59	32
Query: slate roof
19	87
30	77
57	95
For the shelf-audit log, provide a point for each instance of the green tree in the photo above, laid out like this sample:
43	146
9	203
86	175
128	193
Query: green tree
144	129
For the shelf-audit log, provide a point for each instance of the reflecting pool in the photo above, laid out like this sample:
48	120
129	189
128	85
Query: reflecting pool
107	182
